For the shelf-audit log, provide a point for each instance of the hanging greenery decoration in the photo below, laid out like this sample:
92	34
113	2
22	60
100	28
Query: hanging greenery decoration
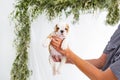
27	10
20	70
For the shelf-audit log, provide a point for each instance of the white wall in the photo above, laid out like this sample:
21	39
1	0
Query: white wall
7	52
87	40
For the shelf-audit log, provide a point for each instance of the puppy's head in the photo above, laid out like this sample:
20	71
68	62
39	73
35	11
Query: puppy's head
62	30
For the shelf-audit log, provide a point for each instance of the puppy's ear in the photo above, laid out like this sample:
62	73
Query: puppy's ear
67	28
56	28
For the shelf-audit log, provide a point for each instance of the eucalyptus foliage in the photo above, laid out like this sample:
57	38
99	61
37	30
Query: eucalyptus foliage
20	70
55	8
27	10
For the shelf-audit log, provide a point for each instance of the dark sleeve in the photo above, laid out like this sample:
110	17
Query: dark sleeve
115	67
114	41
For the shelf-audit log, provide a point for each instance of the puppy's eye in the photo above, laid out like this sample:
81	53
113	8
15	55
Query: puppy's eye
66	29
57	28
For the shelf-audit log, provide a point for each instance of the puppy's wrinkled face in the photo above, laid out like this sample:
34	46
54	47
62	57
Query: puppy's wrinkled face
62	30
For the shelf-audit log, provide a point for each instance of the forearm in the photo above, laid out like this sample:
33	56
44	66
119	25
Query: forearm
95	62
91	71
99	62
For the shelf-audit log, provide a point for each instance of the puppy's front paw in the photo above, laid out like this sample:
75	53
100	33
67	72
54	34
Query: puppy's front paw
64	45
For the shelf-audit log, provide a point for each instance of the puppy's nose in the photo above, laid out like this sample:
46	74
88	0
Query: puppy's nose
61	31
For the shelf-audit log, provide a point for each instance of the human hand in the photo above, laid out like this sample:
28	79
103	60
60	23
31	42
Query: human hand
58	59
56	43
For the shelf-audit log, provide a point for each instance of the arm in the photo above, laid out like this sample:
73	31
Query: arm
90	70
86	66
100	62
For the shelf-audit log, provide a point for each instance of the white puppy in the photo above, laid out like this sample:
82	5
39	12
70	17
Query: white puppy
61	31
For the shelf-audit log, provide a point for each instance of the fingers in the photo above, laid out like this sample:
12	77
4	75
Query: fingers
56	44
57	39
53	57
56	58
